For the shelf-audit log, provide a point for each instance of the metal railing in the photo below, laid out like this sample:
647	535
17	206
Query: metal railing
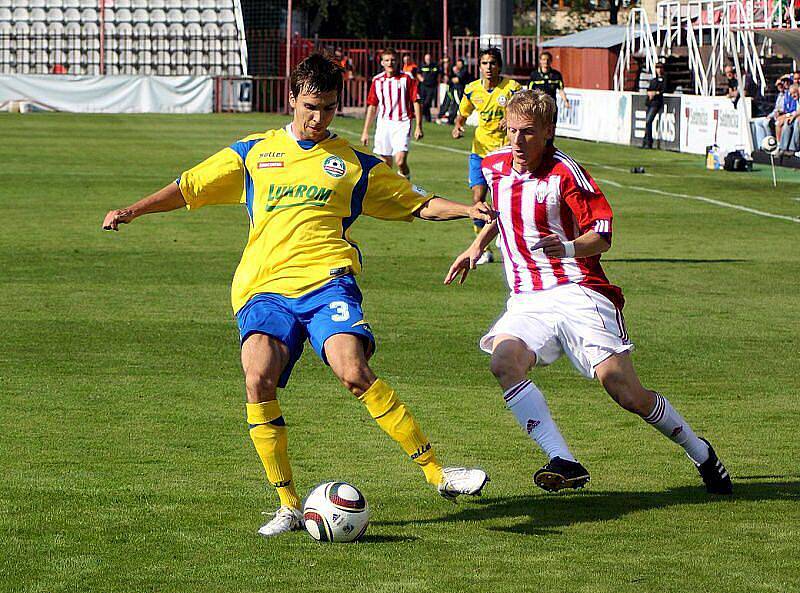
519	53
639	42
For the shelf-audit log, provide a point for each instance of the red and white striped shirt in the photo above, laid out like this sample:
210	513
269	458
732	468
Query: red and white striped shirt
394	96
559	198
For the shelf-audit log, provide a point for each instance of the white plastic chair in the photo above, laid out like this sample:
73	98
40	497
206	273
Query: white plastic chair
141	15
123	15
21	15
55	15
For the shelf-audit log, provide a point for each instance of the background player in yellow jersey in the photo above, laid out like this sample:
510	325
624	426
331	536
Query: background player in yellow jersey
489	96
303	188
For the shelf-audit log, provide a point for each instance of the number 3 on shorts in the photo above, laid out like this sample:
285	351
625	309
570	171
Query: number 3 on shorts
342	311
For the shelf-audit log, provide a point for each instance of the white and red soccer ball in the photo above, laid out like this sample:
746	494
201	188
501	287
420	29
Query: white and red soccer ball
336	512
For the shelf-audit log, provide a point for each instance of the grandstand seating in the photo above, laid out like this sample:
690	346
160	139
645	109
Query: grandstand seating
165	37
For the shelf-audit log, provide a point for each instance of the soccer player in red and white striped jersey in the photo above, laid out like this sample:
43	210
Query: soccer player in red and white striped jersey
554	222
394	98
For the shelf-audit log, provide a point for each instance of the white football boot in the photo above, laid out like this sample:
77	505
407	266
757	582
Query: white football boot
486	257
462	480
285	519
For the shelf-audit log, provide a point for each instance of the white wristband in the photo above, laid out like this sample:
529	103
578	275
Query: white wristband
569	248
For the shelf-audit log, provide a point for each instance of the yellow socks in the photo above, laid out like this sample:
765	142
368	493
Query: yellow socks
396	420
268	432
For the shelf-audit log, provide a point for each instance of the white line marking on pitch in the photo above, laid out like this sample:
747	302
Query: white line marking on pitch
634	187
702	199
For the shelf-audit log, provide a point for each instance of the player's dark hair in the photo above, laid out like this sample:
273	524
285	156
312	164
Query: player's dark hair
546	53
494	52
316	74
388	51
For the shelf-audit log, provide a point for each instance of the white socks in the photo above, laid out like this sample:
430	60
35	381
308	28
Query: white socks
674	427
530	409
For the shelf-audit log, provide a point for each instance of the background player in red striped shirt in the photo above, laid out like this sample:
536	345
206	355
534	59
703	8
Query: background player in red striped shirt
393	96
554	222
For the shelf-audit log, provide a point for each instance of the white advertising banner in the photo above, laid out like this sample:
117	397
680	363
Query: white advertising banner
714	120
602	116
111	94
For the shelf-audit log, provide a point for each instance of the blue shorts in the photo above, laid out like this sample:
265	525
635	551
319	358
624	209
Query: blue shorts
331	309
475	172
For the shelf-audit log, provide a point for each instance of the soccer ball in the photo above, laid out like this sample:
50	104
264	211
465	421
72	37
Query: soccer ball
769	145
336	512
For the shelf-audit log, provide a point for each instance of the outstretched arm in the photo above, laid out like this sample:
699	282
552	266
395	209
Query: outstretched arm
443	209
467	260
164	200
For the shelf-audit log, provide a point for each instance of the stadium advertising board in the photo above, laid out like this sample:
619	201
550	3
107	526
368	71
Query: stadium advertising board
714	120
112	94
666	127
602	116
570	119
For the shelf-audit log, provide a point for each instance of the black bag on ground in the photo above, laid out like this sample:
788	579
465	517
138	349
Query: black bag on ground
737	161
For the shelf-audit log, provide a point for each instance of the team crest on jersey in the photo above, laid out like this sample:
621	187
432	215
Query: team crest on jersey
334	166
502	100
549	191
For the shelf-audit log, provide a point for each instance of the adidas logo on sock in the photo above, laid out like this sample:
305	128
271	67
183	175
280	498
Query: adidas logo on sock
678	430
531	425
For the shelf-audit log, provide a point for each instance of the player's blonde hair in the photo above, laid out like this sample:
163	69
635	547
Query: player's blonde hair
534	104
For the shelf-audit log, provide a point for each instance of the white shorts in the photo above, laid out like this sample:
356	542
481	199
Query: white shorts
391	136
567	319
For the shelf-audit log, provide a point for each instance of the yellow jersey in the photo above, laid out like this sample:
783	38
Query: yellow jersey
491	106
301	198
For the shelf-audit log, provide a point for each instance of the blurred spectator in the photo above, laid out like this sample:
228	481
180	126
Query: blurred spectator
732	84
428	76
458	77
409	65
765	126
547	79
790	135
654	103
345	62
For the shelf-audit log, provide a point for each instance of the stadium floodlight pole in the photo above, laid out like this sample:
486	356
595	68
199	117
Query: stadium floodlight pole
288	71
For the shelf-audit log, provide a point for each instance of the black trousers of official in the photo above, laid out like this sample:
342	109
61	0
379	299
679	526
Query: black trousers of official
652	111
427	94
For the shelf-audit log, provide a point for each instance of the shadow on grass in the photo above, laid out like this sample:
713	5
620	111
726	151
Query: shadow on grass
664	260
546	514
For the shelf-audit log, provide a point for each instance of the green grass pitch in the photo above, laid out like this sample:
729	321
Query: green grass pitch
126	464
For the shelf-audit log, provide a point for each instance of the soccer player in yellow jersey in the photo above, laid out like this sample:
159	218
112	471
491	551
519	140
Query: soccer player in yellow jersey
303	188
489	96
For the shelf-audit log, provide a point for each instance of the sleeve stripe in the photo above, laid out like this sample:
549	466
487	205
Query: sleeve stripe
580	178
602	226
